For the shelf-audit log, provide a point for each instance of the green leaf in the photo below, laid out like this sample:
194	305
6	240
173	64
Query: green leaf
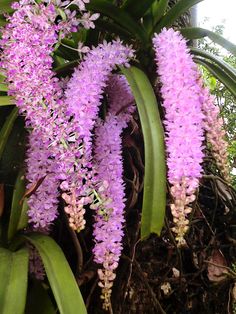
60	276
174	13
3	87
137	10
216	71
38	300
118	15
197	32
157	11
221	63
6	101
5	6
16	206
13	282
6	129
154	199
23	220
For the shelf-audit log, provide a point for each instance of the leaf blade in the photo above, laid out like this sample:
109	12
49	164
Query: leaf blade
174	13
154	199
60	276
198	32
13	288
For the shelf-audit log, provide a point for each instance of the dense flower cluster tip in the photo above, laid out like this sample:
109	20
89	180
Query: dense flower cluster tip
83	98
109	215
183	123
215	133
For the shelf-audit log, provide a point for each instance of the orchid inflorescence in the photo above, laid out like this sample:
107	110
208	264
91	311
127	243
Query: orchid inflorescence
78	154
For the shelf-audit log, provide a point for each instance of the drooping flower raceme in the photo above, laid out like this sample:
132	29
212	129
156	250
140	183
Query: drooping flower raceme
83	98
28	41
215	133
109	215
183	122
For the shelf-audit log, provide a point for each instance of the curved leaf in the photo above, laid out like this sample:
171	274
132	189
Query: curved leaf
16	206
60	276
216	71
13	283
3	87
197	32
137	10
221	63
154	199
174	13
6	129
119	15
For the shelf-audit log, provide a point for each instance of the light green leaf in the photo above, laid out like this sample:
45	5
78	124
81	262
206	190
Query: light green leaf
157	11
174	13
118	15
16	206
197	32
60	276
3	87
216	71
154	199
6	129
13	282
6	101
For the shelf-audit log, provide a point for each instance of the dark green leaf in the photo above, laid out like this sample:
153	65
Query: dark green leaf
221	63
137	10
23	220
216	71
154	15
174	13
6	129
118	15
13	283
38	301
16	206
154	199
60	276
197	32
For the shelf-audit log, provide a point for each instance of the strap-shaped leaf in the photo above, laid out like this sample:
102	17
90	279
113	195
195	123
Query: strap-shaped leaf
5	5
118	15
197	32
60	276
137	9
174	13
6	129
216	71
16	206
13	281
221	63
154	198
6	101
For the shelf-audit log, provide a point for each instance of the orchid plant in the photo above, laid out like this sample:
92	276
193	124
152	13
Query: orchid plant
75	73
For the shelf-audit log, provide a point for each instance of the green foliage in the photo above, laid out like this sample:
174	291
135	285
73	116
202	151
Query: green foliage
154	198
60	276
13	283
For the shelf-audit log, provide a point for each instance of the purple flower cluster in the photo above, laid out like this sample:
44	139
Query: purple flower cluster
109	218
28	42
183	123
83	98
215	133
